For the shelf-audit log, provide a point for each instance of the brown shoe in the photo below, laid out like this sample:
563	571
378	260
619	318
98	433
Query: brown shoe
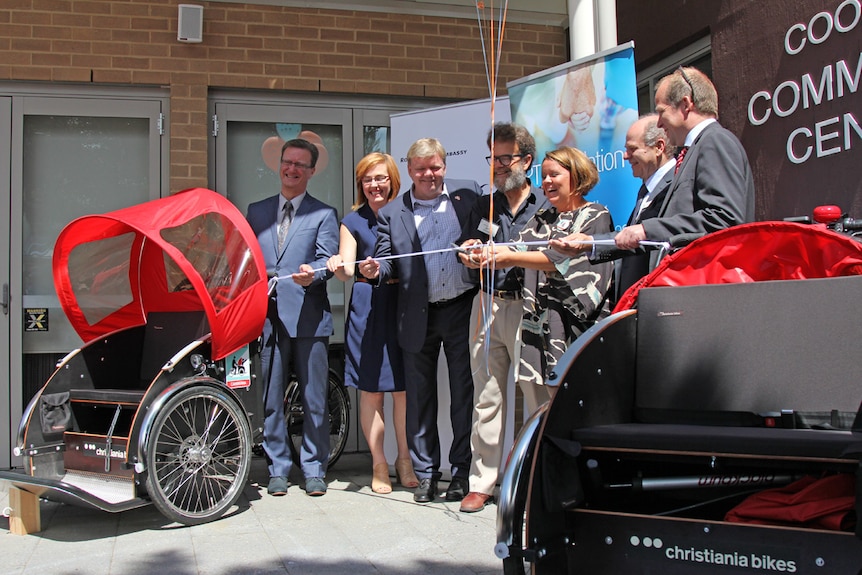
475	501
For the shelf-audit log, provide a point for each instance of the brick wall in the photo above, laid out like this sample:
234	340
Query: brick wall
268	48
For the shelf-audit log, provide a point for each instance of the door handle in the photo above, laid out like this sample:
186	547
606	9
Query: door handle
5	301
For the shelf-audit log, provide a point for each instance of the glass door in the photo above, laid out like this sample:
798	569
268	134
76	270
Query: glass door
7	427
68	156
248	145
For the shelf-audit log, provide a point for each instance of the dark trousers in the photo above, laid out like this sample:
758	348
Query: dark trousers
448	326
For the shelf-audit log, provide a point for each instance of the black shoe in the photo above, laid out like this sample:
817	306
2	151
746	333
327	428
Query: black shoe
458	488
426	492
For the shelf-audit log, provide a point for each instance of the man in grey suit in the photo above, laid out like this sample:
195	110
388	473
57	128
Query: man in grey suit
297	234
712	188
652	160
434	301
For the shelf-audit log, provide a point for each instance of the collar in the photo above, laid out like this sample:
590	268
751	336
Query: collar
297	201
695	132
654	180
535	197
429	203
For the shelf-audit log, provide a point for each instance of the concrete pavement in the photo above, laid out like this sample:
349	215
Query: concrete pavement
350	530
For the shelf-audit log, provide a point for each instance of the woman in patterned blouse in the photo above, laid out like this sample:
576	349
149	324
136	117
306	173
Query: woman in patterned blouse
563	296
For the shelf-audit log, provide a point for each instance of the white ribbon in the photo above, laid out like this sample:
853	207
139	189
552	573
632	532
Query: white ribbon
608	242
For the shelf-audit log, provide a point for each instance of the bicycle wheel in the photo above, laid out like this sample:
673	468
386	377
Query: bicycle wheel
339	417
198	455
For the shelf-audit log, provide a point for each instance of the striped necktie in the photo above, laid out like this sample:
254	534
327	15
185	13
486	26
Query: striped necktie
679	158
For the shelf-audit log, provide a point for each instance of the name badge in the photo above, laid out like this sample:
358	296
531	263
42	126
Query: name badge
488	228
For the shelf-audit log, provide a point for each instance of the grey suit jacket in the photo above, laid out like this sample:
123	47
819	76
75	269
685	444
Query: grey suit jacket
311	239
396	234
713	190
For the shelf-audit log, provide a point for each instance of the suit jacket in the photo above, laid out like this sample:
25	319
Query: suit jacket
633	264
311	239
713	190
397	234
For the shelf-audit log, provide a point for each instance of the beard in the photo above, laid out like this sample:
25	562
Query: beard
514	181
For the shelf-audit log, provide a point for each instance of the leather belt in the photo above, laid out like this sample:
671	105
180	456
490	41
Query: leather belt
506	294
444	302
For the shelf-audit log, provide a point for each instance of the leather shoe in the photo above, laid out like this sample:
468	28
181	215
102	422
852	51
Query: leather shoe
475	501
426	492
277	486
458	487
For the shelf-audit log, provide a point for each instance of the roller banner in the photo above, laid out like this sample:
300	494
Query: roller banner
587	104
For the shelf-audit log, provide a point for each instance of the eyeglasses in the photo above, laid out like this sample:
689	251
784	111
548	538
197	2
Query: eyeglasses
297	165
375	180
505	160
688	81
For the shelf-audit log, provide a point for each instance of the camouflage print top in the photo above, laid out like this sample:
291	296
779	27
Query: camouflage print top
560	305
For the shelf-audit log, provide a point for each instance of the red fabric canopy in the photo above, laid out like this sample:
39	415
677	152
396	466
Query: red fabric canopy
753	252
190	251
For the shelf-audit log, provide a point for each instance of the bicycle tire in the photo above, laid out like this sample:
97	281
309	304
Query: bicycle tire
199	455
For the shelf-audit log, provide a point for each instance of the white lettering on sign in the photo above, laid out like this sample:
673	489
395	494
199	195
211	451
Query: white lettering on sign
820	137
835	82
846	18
799	146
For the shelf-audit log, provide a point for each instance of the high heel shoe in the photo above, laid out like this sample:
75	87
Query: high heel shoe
404	473
380	479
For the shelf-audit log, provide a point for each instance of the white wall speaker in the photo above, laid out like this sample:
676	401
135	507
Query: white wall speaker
191	23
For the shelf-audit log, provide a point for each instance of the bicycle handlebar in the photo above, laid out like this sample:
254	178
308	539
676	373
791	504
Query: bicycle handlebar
681	240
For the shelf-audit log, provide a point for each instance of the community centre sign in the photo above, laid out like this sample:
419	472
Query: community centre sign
837	80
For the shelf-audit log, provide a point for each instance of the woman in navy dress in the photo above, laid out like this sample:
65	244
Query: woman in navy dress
373	361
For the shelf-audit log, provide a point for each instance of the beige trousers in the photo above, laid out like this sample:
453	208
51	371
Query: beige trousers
491	366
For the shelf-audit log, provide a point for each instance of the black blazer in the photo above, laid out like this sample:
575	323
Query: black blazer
396	234
633	264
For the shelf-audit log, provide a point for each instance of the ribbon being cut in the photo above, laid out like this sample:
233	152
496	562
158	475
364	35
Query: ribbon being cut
478	247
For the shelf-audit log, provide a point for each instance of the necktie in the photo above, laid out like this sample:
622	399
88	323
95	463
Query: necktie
642	193
286	218
679	158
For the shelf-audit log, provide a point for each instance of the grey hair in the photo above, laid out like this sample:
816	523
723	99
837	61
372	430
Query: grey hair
652	134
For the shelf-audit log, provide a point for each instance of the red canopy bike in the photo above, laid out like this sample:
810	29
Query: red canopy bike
161	403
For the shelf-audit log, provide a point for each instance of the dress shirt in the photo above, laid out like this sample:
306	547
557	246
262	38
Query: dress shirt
695	132
296	202
438	227
651	183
